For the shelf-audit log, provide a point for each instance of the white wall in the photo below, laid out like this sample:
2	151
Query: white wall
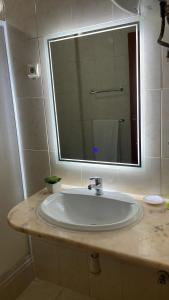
28	28
13	246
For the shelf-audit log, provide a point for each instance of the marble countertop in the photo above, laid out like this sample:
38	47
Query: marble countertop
145	242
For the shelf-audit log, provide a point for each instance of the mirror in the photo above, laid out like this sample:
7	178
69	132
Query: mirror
95	80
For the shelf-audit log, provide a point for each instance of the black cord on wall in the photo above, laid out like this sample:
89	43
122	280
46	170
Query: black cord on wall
164	7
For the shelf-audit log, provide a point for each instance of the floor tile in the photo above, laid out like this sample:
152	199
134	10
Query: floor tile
70	295
41	290
44	290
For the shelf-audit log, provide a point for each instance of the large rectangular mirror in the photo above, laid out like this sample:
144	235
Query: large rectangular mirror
95	79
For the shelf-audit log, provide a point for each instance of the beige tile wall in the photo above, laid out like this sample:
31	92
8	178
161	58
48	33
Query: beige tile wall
10	194
24	44
29	23
164	120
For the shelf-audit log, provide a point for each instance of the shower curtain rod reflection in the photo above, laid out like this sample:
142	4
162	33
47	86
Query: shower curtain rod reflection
121	120
106	91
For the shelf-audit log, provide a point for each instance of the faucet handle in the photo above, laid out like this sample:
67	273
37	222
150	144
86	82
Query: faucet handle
98	180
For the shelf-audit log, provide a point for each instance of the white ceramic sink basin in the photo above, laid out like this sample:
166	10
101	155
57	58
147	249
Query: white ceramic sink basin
80	209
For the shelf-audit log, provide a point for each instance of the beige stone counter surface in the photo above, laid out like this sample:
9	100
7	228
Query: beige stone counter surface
145	242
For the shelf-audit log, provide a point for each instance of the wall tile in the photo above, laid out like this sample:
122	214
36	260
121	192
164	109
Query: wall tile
125	179
164	175
2	10
119	14
44	68
36	164
11	194
48	98
91	12
53	16
165	64
32	123
11	240
108	284
152	51
69	171
150	7
165	123
165	60
20	14
50	123
140	180
24	51
153	123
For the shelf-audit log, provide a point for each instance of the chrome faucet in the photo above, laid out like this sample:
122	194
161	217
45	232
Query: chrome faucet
98	185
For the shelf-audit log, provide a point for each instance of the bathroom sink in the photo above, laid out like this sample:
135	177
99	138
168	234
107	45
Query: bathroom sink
80	209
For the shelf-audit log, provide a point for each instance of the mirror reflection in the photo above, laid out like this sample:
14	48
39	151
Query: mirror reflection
95	88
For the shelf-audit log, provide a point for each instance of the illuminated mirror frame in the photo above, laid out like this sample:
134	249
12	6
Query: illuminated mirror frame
82	33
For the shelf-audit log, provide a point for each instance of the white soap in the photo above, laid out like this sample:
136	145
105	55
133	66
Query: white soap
154	199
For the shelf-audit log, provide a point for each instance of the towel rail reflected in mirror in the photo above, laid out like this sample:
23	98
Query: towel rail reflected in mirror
96	94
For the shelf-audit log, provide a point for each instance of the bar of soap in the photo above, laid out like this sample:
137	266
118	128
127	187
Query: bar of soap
154	199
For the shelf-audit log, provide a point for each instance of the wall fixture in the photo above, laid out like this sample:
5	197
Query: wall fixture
163	277
133	6
164	7
33	71
94	263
